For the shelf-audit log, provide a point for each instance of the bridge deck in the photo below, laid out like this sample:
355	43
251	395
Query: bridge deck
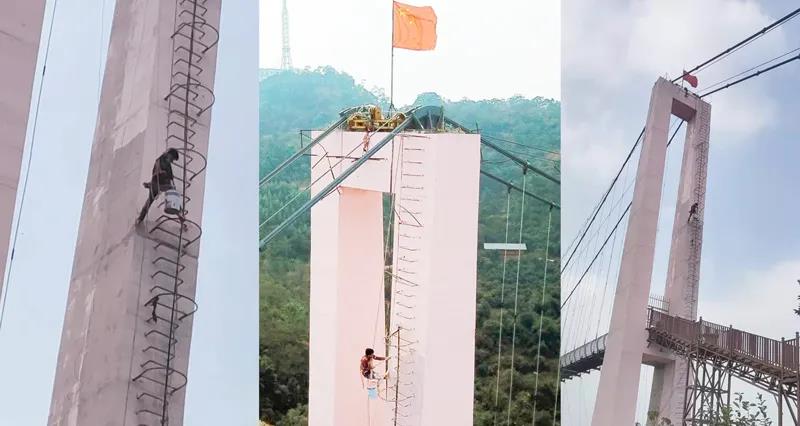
583	359
769	364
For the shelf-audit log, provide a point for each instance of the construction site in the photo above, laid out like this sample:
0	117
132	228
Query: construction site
126	315
655	351
414	267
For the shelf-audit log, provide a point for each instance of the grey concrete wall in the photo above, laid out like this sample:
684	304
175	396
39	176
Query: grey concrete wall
20	31
109	336
627	349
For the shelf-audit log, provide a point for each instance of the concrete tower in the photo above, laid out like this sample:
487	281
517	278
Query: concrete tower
431	334
128	323
20	31
626	346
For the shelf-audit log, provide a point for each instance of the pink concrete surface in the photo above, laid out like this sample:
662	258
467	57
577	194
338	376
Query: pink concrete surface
435	179
347	313
103	343
20	31
682	289
627	348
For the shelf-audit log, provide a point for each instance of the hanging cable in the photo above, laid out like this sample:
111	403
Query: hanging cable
516	294
755	74
6	284
502	295
743	43
520	144
541	313
605	286
702	66
612	231
599	205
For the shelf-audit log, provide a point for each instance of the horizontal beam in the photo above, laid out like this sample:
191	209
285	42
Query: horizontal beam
302	151
334	184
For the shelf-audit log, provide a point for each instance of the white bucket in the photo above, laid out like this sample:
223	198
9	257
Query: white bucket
173	202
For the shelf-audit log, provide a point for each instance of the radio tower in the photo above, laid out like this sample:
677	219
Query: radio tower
286	58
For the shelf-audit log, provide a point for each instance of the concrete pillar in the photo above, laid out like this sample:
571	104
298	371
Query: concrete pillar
115	344
347	308
687	233
20	31
619	378
683	271
435	179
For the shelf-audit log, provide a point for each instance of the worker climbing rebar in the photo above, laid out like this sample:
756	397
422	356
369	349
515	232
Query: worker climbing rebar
162	179
692	212
367	367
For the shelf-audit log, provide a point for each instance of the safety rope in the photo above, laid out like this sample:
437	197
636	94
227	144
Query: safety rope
541	311
516	294
502	295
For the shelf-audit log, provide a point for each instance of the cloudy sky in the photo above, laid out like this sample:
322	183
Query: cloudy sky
223	384
484	49
611	58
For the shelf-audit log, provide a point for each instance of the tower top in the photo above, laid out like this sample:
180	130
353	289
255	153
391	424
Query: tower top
286	56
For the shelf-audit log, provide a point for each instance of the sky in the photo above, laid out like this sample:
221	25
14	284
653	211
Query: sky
223	369
484	49
751	249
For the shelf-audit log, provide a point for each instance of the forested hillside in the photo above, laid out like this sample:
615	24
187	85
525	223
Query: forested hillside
295	100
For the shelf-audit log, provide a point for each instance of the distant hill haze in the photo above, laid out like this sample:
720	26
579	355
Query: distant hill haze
295	100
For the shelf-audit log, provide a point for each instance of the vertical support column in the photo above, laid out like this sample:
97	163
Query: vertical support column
20	32
619	377
347	306
447	335
683	277
122	360
436	178
687	230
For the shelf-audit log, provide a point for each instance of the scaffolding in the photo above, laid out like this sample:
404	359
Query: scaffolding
716	353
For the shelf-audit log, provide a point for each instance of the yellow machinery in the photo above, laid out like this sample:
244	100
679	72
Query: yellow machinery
370	119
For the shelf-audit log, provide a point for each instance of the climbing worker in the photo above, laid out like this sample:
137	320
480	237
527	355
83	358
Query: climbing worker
367	368
161	180
365	141
692	212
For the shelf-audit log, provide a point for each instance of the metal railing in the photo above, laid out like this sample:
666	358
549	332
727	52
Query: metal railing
780	354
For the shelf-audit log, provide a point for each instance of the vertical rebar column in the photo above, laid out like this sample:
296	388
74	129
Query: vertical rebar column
397	385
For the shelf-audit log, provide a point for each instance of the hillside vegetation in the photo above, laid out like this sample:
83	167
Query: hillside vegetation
311	99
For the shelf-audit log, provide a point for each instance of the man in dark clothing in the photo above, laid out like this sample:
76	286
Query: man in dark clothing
692	212
161	180
367	369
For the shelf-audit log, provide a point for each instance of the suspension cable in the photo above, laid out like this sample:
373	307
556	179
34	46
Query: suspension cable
749	76
516	294
541	313
502	297
612	231
697	68
742	43
6	284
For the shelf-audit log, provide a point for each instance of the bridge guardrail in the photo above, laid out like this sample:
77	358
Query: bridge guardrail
777	353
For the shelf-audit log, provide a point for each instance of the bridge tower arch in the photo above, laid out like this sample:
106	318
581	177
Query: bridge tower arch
626	344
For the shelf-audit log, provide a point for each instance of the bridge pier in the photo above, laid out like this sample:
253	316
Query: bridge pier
127	328
626	342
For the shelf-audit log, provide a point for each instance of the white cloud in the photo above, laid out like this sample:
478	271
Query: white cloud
761	303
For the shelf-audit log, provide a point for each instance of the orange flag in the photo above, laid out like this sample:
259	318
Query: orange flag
414	27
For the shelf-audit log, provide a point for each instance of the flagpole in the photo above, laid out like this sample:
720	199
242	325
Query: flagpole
391	78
